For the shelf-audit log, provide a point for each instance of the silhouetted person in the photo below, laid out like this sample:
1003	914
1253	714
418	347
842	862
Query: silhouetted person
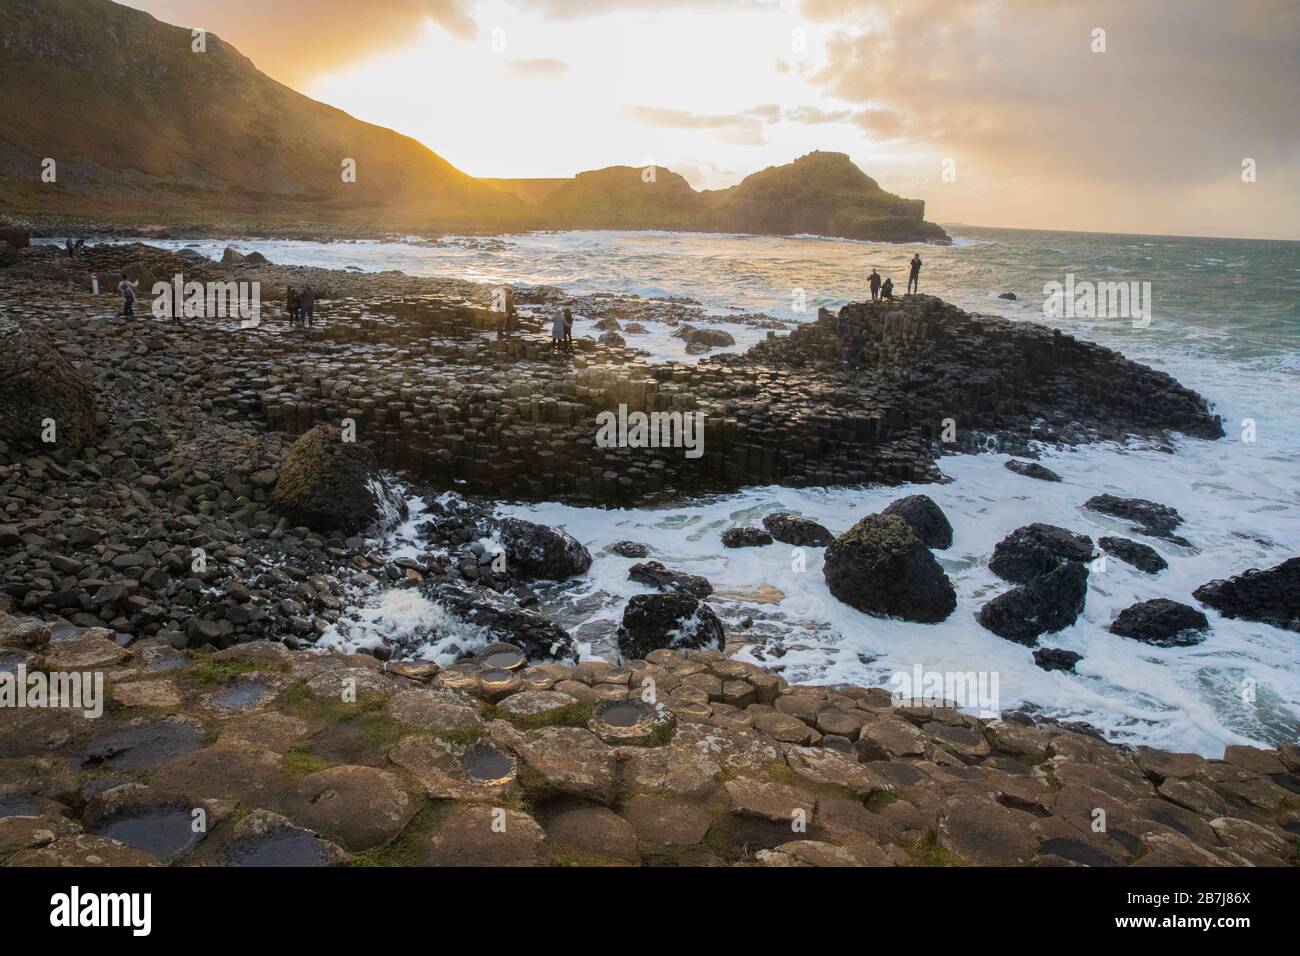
292	303
914	273
308	300
873	280
128	297
887	290
568	328
79	247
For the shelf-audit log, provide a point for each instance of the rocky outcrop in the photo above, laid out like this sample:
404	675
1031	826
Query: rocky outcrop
654	574
1271	596
1056	659
1161	622
1035	550
1141	556
879	566
925	518
796	530
536	551
1048	603
44	401
673	620
332	485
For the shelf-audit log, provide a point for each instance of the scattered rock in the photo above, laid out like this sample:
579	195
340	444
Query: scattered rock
1271	596
797	530
657	576
1031	469
329	485
1161	622
536	551
1150	518
1036	549
745	538
1049	603
1141	556
1056	659
42	396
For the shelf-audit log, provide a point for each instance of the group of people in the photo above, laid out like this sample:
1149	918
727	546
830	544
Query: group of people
74	247
300	304
562	329
881	291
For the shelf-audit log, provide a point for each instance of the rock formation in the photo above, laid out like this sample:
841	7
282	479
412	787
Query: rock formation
329	484
880	566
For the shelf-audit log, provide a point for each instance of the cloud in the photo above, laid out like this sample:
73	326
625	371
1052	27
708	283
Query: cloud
585	9
296	40
539	68
735	128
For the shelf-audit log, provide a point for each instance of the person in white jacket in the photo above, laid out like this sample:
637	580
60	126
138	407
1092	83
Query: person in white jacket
557	328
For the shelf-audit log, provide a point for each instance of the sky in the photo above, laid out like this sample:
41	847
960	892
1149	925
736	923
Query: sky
1178	117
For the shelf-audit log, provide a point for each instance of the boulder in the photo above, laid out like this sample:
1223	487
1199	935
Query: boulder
232	257
1056	659
536	551
713	338
664	579
1046	604
677	620
745	538
1035	550
1031	469
612	339
925	518
1161	622
1271	596
1141	556
629	549
37	383
257	259
881	567
331	485
797	530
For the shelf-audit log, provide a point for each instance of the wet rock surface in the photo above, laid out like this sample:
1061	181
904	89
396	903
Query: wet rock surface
925	518
1141	556
796	530
1048	603
657	576
676	619
621	780
1035	550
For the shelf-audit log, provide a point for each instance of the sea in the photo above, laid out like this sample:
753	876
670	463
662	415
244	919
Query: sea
1222	316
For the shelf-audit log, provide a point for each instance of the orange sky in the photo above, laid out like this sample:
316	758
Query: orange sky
1008	97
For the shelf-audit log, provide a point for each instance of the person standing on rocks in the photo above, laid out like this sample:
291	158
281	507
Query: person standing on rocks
557	329
914	274
308	301
887	290
568	328
873	280
292	303
128	297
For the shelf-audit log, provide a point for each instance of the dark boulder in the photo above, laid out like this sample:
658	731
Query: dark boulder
503	621
881	567
797	530
1141	556
652	621
1056	659
745	538
1036	549
1009	296
37	383
1271	597
661	578
232	257
1031	469
612	339
536	551
332	485
925	518
257	259
1148	517
629	549
1045	605
1161	622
